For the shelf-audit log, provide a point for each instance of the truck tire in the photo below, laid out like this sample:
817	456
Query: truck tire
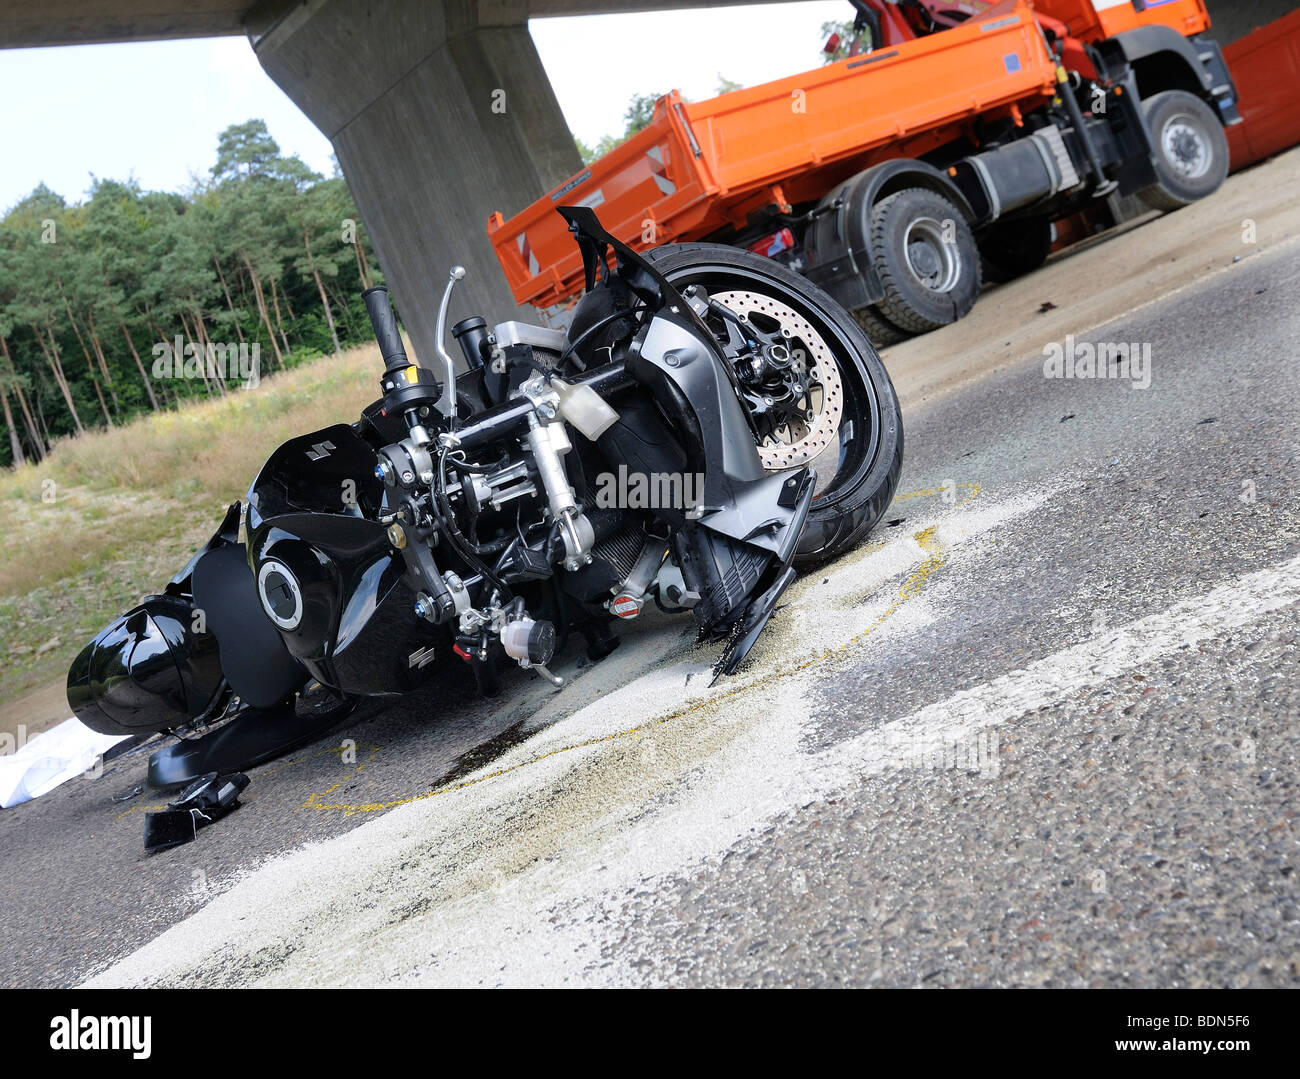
879	330
1011	249
927	259
856	484
1191	150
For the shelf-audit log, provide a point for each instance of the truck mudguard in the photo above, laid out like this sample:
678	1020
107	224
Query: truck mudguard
1162	59
838	242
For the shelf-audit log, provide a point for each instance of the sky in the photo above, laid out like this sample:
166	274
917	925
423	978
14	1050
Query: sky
153	110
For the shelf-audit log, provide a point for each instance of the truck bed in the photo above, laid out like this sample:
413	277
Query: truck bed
699	167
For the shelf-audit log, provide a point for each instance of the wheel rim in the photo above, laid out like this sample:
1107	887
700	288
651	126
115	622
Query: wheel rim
1185	147
932	256
806	436
849	450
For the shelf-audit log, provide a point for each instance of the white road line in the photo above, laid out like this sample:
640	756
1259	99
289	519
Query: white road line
520	880
1090	663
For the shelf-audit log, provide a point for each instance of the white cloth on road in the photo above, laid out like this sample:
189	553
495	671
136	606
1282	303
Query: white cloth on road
49	759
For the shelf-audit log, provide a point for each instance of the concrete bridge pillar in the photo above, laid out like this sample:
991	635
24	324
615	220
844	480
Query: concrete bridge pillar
440	112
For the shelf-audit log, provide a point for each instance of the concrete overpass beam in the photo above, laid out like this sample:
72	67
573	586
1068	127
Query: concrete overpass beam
440	113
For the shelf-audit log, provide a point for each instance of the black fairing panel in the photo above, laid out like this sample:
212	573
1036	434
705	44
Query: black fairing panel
330	471
743	501
150	670
257	664
381	641
751	519
161	664
355	628
227	532
677	357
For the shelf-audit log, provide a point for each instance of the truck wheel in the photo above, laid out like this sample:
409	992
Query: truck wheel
848	427
879	330
1011	249
1191	150
927	259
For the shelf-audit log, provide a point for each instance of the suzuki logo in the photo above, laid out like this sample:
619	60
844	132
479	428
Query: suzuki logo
320	451
422	656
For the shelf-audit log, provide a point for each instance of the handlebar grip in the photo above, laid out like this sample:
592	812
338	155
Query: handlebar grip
385	325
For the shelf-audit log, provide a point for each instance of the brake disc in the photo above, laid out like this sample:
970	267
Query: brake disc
800	440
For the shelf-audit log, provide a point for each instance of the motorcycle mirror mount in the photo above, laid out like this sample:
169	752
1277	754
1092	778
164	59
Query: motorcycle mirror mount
447	406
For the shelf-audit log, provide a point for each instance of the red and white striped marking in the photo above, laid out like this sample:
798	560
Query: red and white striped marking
659	171
526	253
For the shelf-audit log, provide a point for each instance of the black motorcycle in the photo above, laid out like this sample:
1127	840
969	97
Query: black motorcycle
709	422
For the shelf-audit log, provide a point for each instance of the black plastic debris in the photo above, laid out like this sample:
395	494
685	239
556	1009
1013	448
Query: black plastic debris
207	799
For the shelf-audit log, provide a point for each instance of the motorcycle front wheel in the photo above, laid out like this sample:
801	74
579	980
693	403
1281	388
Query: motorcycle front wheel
847	425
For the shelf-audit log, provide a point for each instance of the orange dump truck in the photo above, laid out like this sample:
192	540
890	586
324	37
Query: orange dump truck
936	155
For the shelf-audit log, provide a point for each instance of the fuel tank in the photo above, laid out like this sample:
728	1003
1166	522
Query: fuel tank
326	575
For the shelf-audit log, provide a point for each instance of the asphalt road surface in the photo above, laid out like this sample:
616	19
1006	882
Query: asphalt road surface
1041	730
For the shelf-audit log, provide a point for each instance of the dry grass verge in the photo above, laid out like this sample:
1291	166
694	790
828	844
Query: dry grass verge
110	516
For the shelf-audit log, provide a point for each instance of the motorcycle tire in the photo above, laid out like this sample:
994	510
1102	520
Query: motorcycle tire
859	464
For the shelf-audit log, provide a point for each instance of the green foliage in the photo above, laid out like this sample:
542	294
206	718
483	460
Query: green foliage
591	153
639	113
847	34
266	254
245	150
